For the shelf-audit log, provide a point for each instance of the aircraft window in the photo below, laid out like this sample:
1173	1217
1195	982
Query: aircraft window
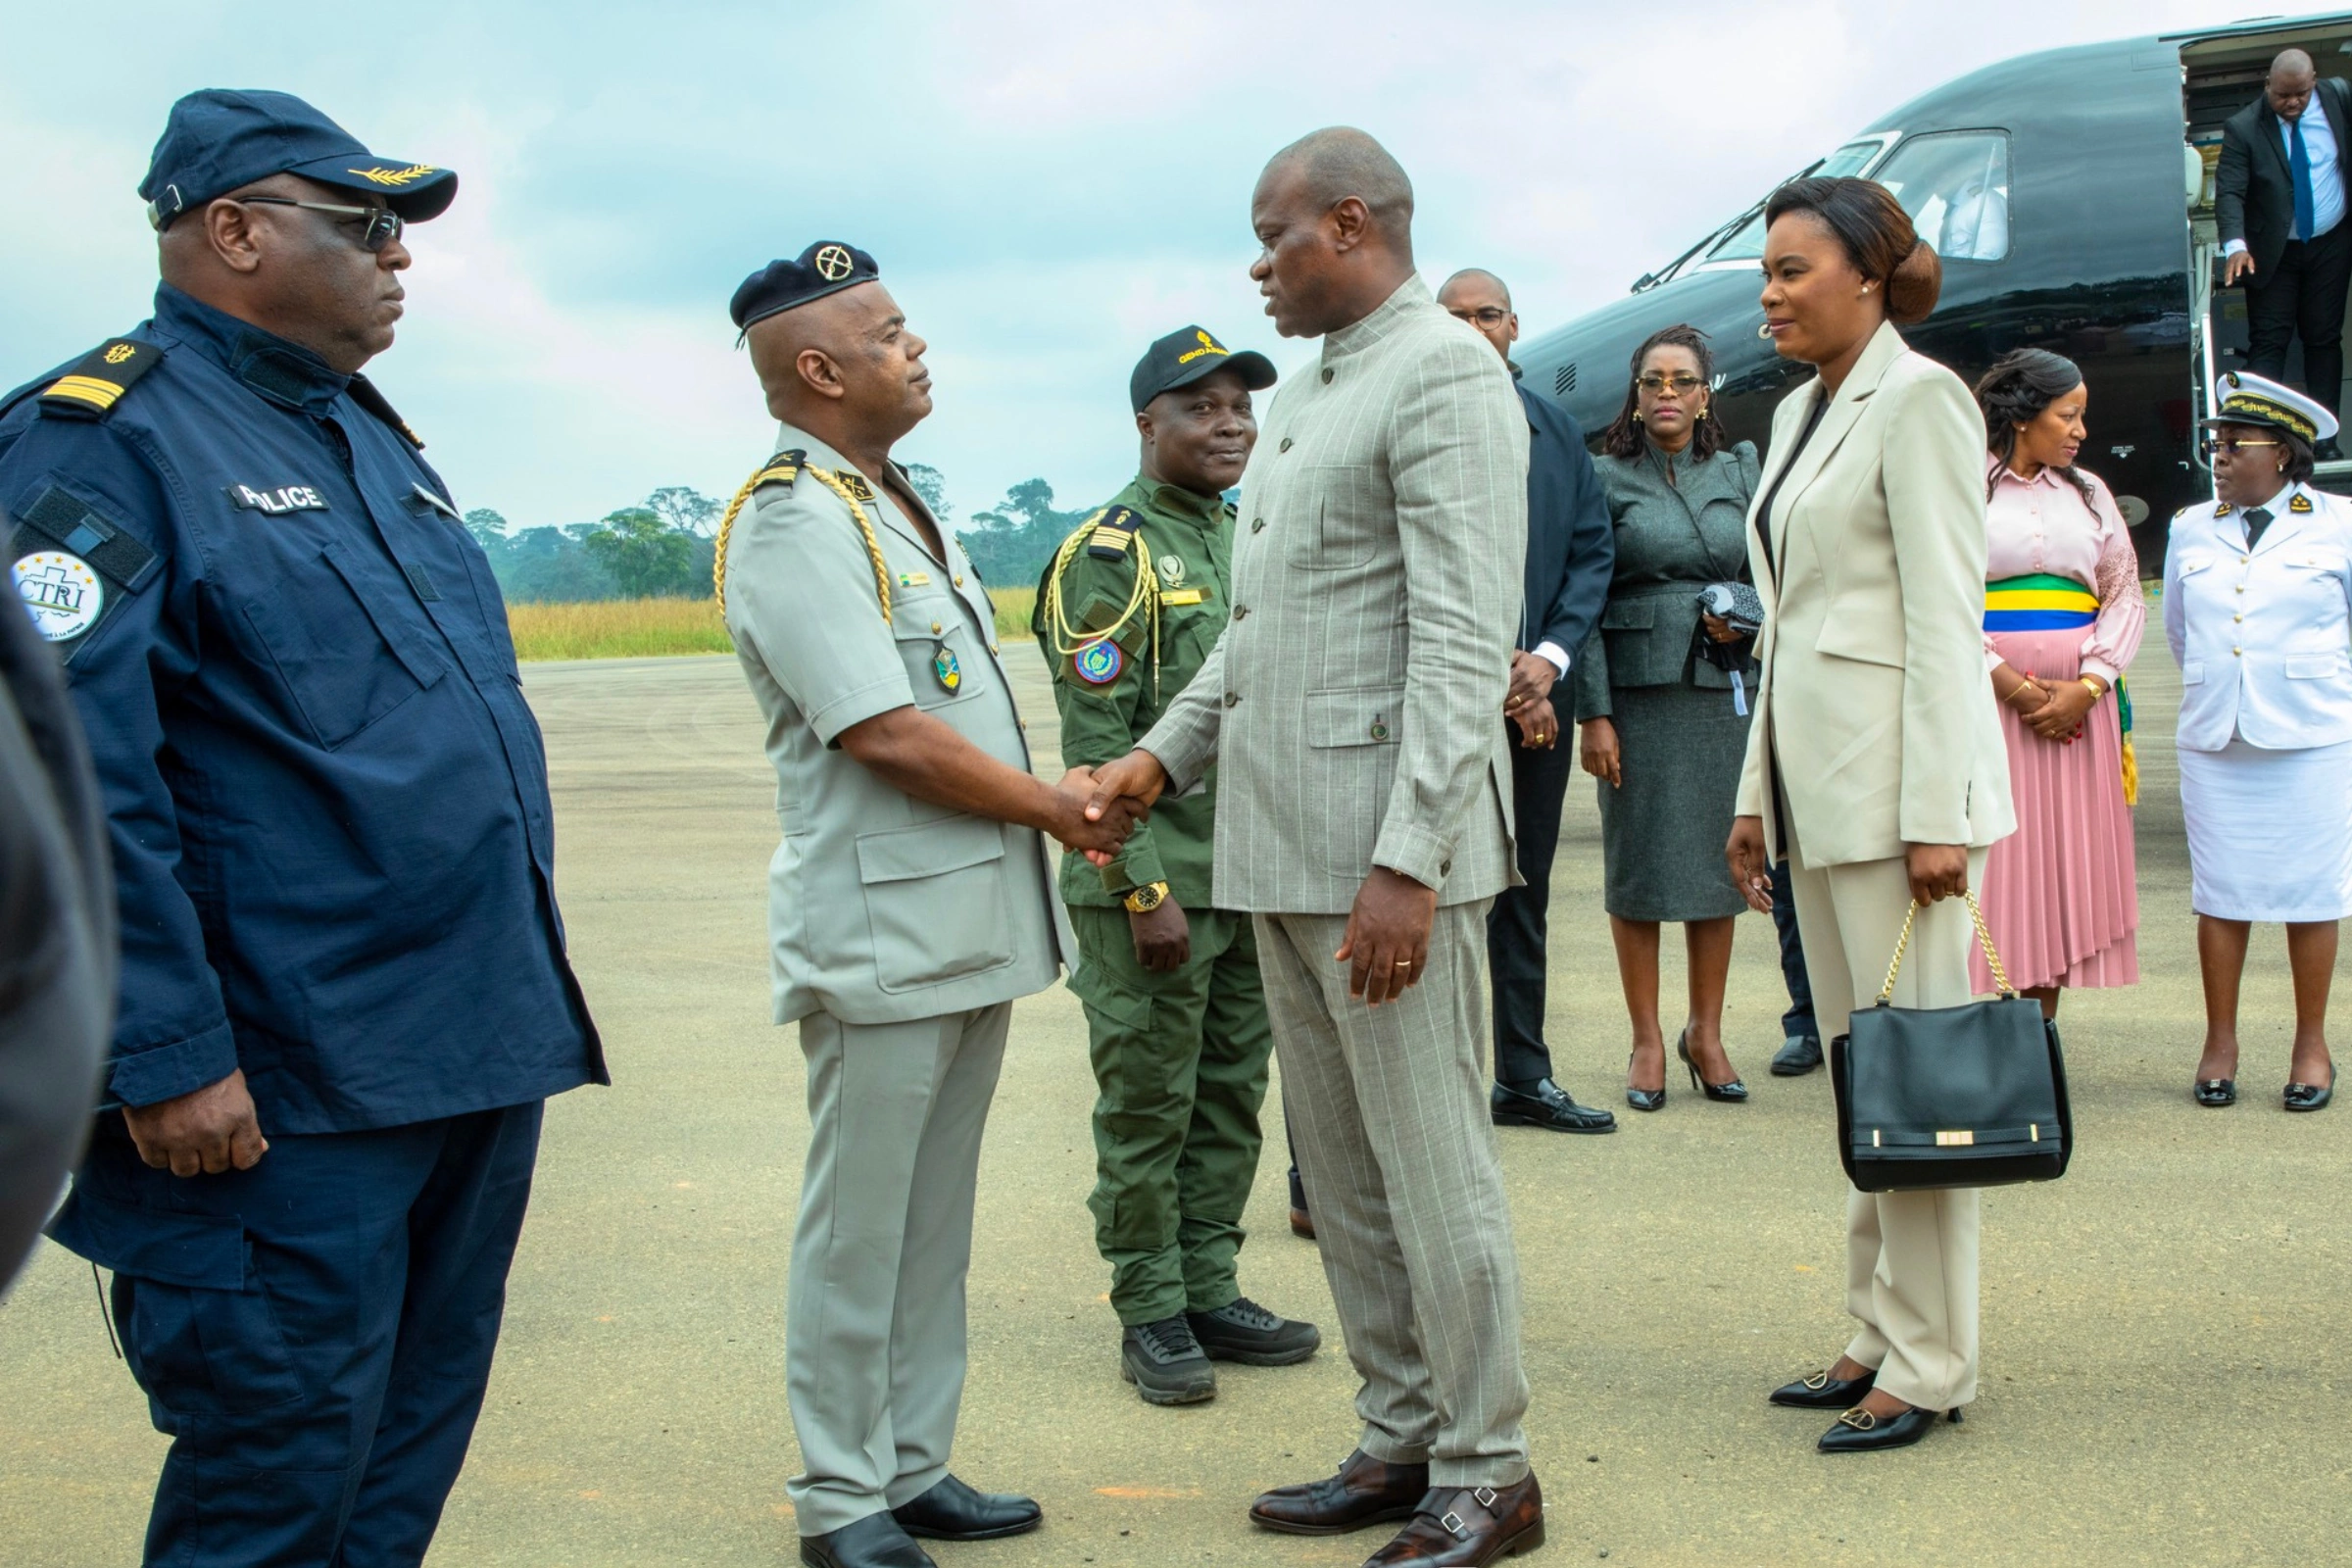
1955	186
1746	242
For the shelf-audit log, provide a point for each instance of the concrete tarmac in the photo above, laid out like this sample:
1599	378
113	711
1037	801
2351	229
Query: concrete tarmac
2165	1377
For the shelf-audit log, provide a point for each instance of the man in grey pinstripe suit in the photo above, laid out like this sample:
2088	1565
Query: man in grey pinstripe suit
1363	818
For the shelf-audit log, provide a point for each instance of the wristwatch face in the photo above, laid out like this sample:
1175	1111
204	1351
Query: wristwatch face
1144	900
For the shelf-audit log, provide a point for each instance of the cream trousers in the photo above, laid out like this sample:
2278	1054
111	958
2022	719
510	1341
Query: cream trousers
1910	1257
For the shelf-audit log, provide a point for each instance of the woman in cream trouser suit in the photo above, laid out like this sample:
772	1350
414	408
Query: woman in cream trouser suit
1875	762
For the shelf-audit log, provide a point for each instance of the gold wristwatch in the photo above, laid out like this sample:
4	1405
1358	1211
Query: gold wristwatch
1144	900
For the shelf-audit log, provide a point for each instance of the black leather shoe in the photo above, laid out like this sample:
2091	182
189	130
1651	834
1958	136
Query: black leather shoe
1365	1492
873	1542
1547	1105
1244	1330
1303	1223
953	1511
1821	1391
1859	1432
2215	1092
1642	1099
1166	1364
1799	1056
1731	1094
2312	1096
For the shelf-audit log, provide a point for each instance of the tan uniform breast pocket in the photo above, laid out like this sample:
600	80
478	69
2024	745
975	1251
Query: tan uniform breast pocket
941	665
935	902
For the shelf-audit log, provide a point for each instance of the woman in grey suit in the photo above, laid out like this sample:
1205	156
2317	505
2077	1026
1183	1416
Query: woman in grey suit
1876	757
1665	724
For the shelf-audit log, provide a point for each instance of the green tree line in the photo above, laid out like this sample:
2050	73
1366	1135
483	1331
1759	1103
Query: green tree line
664	545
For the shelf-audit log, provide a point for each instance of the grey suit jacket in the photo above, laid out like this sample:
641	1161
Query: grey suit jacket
1356	701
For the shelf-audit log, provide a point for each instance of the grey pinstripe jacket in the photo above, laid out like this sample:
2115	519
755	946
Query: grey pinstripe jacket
1356	701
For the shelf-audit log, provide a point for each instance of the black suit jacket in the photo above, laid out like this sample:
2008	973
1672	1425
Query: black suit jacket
2253	190
1571	549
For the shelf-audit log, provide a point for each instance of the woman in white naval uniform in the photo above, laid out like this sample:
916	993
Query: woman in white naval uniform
2258	611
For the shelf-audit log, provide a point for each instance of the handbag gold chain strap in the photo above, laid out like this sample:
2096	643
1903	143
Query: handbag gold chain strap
1894	966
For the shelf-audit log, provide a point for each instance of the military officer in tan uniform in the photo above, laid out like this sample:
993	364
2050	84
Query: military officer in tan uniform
912	898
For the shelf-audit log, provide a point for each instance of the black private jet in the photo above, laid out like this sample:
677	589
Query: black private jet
2070	194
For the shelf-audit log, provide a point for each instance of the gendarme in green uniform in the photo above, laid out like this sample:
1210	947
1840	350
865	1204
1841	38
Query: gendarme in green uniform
1180	1058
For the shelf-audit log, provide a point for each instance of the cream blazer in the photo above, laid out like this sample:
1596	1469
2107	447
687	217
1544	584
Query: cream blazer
1875	702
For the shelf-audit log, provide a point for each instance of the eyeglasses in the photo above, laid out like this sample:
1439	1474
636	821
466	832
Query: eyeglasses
1680	385
1485	315
385	226
2232	445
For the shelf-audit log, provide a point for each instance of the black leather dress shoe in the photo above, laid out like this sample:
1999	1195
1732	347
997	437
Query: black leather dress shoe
1799	1056
873	1542
1467	1527
953	1511
1859	1432
2215	1092
2312	1096
1365	1492
1821	1391
1544	1104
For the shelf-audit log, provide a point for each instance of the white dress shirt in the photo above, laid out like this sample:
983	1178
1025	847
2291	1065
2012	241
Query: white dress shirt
2327	179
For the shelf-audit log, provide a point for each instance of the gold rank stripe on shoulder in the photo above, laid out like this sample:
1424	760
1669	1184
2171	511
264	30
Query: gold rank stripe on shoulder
1110	535
92	388
2301	503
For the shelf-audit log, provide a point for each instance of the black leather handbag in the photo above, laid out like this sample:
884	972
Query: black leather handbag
1973	1095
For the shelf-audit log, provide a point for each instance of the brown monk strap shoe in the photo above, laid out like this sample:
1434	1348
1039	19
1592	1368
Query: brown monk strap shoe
1365	1492
1468	1527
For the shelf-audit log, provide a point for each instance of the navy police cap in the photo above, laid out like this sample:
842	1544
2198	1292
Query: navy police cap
220	140
825	268
1186	356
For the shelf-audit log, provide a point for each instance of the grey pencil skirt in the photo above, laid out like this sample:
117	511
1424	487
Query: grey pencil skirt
1662	830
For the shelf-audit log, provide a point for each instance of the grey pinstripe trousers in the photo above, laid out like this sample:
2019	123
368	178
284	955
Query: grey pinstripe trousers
1388	1109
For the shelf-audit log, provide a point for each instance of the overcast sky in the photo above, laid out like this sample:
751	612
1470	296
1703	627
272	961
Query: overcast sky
1048	186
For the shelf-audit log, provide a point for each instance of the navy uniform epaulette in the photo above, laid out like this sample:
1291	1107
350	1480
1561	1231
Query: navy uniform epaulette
364	393
1111	532
782	469
91	389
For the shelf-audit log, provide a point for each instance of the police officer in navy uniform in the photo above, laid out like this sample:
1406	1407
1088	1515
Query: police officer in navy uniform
344	995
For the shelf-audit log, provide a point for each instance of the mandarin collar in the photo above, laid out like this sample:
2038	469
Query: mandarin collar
1175	498
284	372
1357	336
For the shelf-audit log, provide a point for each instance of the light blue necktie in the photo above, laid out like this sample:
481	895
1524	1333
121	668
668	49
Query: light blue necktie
2306	204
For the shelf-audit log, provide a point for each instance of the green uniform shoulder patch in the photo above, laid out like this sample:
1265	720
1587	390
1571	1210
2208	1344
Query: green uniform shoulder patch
91	389
1113	530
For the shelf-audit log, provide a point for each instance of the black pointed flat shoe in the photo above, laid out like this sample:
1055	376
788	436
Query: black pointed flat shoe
2214	1093
1821	1391
1859	1432
2311	1096
1733	1092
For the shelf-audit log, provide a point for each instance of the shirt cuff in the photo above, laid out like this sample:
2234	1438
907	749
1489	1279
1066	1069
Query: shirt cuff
2101	669
165	1072
1553	654
2236	247
1410	849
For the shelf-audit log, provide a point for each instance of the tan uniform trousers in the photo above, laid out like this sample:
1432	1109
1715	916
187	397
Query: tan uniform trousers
1910	1257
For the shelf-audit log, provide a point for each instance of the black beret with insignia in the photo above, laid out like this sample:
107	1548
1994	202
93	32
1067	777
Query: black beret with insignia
825	268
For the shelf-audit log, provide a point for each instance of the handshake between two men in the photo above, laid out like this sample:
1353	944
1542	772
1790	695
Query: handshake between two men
1386	945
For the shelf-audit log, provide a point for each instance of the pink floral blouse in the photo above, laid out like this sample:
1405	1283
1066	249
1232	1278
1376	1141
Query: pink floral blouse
2045	524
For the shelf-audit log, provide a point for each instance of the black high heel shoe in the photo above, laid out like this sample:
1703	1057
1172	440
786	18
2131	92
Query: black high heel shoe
1641	1098
2311	1096
2214	1093
1821	1391
1733	1092
1859	1432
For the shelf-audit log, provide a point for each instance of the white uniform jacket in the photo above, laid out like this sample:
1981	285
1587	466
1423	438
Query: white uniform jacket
2262	636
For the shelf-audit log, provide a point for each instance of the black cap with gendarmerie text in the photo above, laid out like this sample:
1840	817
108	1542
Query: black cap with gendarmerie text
1184	356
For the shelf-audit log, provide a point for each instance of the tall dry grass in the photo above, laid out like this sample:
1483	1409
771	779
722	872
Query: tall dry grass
1015	607
618	628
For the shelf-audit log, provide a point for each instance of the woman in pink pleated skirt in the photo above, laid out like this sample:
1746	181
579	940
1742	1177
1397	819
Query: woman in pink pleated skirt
2063	616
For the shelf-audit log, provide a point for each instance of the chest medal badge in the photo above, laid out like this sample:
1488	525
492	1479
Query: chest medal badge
1099	664
945	667
1171	571
62	593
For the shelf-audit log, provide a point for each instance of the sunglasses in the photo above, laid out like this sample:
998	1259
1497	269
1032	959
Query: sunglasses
1680	385
2233	445
385	226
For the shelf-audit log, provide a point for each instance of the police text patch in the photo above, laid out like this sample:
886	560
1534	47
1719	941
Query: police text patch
285	498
